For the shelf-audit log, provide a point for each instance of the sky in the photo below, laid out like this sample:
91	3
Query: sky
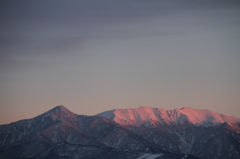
97	55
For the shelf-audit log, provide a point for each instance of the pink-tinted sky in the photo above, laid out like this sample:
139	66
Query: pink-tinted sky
92	56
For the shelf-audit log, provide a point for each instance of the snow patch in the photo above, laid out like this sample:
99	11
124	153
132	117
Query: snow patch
185	157
149	156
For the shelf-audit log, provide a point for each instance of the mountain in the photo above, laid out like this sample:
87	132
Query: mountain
151	117
61	134
141	133
202	133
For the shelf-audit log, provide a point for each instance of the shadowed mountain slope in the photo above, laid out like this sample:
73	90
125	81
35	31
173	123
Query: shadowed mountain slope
59	133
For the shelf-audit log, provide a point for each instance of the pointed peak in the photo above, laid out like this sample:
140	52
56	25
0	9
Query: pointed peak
61	107
61	113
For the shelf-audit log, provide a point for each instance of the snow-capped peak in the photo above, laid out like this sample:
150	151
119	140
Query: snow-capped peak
147	116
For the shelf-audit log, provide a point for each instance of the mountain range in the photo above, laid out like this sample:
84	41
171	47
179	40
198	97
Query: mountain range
152	117
141	133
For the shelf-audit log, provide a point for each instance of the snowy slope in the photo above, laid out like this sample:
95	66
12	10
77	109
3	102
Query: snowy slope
151	117
149	156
